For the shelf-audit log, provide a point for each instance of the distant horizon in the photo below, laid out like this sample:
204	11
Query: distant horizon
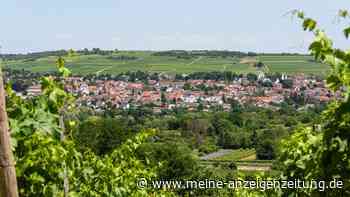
135	50
32	26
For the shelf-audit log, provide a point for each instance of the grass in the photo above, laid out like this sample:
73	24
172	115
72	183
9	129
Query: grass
88	64
271	173
294	64
237	155
245	160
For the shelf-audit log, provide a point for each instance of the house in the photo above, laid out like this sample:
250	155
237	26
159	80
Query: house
34	90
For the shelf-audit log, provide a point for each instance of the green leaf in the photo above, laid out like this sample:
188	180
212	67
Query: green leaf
347	32
343	13
309	24
60	62
64	71
315	47
346	76
300	164
333	82
14	143
300	15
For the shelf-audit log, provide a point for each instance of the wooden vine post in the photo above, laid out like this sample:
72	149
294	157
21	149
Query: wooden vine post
65	173
8	181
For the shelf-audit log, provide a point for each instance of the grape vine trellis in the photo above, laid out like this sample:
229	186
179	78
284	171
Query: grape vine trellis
45	163
323	154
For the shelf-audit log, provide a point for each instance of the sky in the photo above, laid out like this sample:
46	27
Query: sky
241	25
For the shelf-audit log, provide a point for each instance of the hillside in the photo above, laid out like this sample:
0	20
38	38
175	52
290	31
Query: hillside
123	61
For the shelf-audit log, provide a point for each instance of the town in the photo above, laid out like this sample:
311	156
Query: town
168	93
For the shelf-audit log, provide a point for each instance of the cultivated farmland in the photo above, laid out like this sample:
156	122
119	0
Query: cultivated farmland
124	61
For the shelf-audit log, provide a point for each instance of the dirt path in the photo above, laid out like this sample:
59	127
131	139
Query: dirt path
194	61
249	158
104	69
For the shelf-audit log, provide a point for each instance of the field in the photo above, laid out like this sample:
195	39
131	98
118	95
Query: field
145	61
236	155
245	159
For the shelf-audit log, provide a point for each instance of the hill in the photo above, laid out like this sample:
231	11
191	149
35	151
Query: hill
115	62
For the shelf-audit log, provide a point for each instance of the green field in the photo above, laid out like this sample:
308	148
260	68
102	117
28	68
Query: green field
238	154
245	159
145	61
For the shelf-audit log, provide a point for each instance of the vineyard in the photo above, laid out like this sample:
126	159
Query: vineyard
124	61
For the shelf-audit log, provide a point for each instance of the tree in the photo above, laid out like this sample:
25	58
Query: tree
234	138
267	83
287	83
187	86
235	113
268	139
163	98
71	53
196	127
252	77
259	64
200	106
86	51
177	160
101	135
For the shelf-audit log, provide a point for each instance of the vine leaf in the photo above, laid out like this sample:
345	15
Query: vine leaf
309	24
347	32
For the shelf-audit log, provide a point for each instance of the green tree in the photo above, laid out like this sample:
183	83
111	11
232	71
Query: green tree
177	160
252	77
163	98
187	86
267	141
101	135
287	83
195	127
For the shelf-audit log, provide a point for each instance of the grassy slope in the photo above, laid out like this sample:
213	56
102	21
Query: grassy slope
85	64
238	154
294	64
245	160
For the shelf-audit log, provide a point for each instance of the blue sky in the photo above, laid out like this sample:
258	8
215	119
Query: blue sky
245	25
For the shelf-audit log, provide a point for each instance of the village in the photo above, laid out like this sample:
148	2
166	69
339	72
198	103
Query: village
167	94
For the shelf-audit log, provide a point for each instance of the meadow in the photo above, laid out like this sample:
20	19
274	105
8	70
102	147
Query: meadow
238	154
147	61
245	160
